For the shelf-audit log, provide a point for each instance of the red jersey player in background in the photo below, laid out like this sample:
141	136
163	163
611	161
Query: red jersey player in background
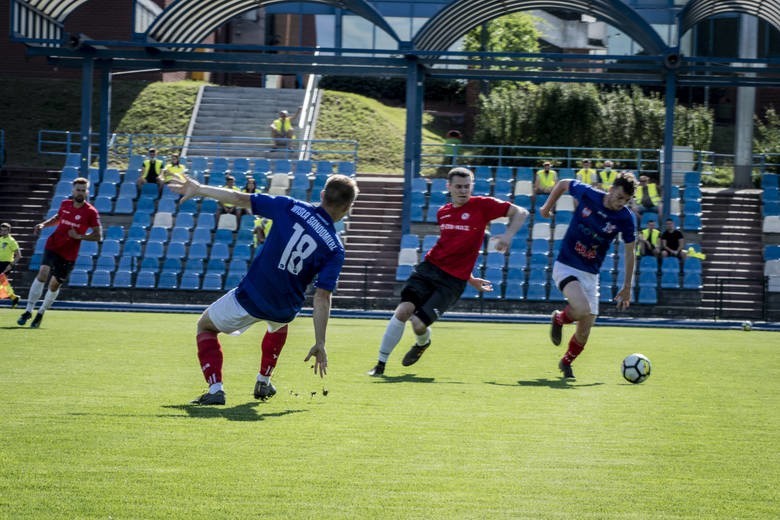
74	219
439	280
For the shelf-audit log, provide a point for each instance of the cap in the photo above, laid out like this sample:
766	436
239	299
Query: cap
284	112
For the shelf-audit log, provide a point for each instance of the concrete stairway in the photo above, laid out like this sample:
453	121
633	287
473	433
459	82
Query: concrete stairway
373	240
238	111
25	195
731	238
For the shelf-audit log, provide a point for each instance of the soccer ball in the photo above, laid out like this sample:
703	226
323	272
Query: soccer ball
746	326
636	368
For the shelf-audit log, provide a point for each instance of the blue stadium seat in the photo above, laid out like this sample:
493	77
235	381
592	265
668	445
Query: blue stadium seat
481	187
84	263
691	193
514	290
419	185
233	279
185	220
108	190
242	252
692	178
692	280
220	251
190	281
470	293
771	252
648	263
324	168
154	249
110	248
403	272
207	221
770	180
648	295
771	195
103	205
281	166
212	282
69	173
168	280
114	233
670	264
483	173
150	190
224	236
143	220
262	167
128	190
181	235
158	234
176	250
101	278
78	278
151	264
198	251
555	294
536	292
171	265
346	168
670	280
167	206
692	223
219	164
194	265
146	280
524	173
428	242
189	206
111	175
417	214
647	279
495	260
123	279
410	241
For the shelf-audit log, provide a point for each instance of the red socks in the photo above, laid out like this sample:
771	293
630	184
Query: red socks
272	345
562	318
574	350
210	356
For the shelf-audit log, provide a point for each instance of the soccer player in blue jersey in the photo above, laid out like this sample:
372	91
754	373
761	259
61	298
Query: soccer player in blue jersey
597	220
304	245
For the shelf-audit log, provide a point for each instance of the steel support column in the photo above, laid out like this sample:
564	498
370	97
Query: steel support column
87	69
413	141
666	176
105	114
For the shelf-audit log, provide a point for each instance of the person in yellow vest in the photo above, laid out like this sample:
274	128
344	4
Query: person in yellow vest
262	228
9	255
607	176
647	196
151	170
283	129
545	179
174	170
224	207
587	175
649	241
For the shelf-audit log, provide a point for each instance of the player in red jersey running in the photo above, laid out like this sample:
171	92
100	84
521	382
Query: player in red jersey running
438	281
74	219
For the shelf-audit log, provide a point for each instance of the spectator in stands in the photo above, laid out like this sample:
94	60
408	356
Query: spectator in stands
672	242
649	241
438	281
607	176
74	219
227	207
304	247
174	169
647	197
9	256
262	228
283	129
251	185
587	174
452	148
599	219
545	179
151	170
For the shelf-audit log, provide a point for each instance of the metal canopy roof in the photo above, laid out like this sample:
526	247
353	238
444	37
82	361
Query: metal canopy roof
455	20
190	21
56	9
696	11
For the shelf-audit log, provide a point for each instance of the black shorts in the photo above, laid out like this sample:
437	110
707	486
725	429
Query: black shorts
432	291
3	266
60	268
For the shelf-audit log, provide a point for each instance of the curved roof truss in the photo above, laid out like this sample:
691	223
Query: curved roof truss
455	20
190	21
696	11
56	9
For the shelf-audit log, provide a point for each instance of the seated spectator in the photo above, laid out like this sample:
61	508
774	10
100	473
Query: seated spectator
283	129
451	146
647	197
251	186
151	170
262	228
672	242
587	175
607	176
545	179
174	170
649	241
230	184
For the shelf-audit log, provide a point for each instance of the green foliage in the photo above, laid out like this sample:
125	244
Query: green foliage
767	137
378	128
96	424
514	32
581	115
394	89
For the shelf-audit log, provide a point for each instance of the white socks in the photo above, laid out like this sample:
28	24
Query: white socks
425	337
216	387
48	300
36	289
263	379
393	335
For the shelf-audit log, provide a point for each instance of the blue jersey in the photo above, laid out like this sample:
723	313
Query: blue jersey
303	244
592	229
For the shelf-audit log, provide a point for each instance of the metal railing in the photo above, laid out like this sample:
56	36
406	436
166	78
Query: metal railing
123	146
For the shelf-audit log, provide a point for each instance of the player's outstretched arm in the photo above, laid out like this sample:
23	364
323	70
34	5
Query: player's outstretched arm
481	284
623	297
517	216
559	189
320	316
189	188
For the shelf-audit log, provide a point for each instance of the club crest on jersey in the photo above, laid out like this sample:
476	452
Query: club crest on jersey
609	227
586	212
465	216
78	217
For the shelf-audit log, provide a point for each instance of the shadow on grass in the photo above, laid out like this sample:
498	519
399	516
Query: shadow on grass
412	378
562	384
241	412
14	327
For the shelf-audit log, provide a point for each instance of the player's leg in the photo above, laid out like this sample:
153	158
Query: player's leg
581	295
272	345
392	336
211	359
36	289
60	270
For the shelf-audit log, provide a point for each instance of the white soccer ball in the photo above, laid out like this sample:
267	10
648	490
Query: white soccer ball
636	368
747	325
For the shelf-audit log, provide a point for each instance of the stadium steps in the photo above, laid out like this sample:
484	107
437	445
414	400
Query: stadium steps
25	196
733	280
237	111
372	241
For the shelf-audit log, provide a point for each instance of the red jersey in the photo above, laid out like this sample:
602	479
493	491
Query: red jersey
462	231
81	219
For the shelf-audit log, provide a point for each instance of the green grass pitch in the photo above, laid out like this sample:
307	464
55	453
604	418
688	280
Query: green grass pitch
95	424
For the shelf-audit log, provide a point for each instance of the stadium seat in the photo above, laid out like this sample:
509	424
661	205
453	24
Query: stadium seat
772	252
536	292
198	251
190	281
648	295
232	280
346	168
504	173
281	166
107	263
176	250
242	252
524	174
217	179
648	263
168	280
101	278
108	190
103	205
261	168
201	236
171	265
212	282
181	235
227	221
769	180
324	168
470	293
410	241
224	236
123	279
483	173
158	234
692	280
514	290
692	178
670	264
407	257
84	263
78	278
771	224
220	251
692	223
124	206
185	220
670	280
146	280
154	249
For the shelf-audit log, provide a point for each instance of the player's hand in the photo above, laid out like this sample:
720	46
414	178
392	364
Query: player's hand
545	211
187	187
37	229
623	298
320	359
501	243
480	284
72	234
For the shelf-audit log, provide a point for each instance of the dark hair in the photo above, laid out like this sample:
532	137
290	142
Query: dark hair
340	191
460	171
627	181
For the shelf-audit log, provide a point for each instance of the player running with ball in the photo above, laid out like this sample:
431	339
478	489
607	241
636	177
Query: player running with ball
598	219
